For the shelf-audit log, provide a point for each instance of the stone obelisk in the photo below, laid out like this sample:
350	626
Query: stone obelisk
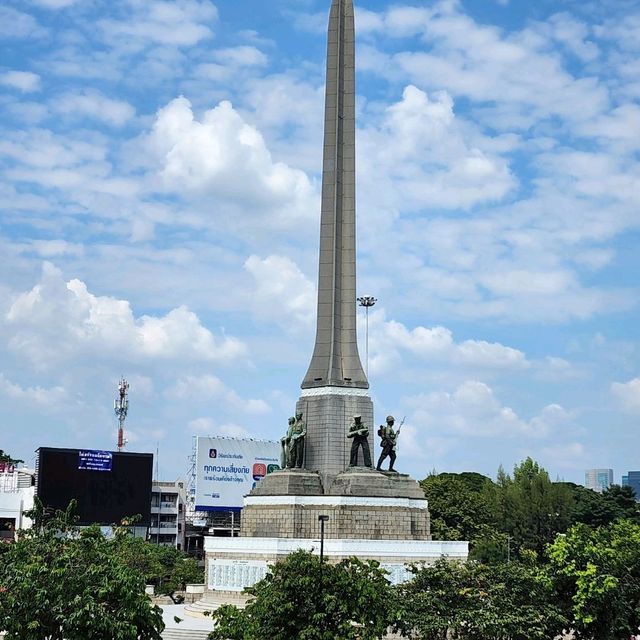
335	386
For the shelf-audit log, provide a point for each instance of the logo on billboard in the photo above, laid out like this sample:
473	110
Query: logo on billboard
273	467
213	453
259	470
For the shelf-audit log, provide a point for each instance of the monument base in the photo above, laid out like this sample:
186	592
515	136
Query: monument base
232	564
350	517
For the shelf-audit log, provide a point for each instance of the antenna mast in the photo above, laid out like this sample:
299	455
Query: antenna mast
121	407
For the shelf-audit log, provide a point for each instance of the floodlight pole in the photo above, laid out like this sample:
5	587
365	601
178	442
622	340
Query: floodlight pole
367	302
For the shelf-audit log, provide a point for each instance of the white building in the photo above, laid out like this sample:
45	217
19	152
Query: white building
168	500
16	496
598	480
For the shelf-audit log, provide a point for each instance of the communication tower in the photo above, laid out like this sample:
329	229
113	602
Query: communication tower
121	408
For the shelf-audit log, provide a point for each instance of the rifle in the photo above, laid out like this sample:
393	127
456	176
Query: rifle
400	427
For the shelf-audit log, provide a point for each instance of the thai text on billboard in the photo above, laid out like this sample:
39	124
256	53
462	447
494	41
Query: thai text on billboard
95	460
228	468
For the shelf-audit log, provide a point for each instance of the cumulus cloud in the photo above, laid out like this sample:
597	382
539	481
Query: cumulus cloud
47	398
473	410
210	388
179	23
484	64
93	104
25	81
16	24
628	394
436	345
223	156
209	427
422	155
242	56
54	4
58	321
282	292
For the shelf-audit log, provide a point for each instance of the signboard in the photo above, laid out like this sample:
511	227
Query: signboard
228	468
235	575
107	485
95	460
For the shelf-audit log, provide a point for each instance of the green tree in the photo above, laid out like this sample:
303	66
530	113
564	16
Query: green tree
58	582
167	568
462	505
474	601
5	457
306	600
532	508
597	573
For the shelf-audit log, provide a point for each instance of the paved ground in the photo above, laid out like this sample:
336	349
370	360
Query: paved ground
169	611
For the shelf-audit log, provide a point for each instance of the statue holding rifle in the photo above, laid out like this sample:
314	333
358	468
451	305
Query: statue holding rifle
360	434
388	441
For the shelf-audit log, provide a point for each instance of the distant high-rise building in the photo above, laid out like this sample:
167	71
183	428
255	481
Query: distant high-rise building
632	479
598	479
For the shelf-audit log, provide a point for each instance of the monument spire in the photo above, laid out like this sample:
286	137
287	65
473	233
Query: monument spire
336	361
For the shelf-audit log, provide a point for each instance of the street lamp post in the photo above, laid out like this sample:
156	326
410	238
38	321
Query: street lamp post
367	302
322	520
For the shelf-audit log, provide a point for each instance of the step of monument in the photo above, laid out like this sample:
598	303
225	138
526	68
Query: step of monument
185	634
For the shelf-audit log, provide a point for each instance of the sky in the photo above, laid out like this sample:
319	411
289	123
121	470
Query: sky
160	167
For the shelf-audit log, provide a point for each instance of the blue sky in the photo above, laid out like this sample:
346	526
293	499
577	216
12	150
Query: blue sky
159	216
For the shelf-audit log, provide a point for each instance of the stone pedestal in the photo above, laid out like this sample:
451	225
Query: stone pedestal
328	412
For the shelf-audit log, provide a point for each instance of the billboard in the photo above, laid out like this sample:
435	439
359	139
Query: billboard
228	468
107	485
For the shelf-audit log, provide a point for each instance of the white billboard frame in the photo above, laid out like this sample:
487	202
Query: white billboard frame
228	468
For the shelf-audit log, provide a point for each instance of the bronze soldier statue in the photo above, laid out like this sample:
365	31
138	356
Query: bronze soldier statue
388	443
296	443
285	443
360	434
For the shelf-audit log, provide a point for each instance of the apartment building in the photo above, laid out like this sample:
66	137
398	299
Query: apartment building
168	501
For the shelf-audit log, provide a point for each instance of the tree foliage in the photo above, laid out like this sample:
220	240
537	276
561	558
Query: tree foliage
167	568
304	599
597	574
474	601
5	457
58	582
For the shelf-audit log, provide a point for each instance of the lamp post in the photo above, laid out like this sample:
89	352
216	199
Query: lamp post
322	520
367	302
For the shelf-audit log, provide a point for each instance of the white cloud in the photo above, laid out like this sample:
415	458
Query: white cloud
437	346
486	64
209	427
47	398
54	4
473	410
210	388
422	156
16	24
180	23
95	105
282	292
628	394
242	56
25	81
224	157
58	321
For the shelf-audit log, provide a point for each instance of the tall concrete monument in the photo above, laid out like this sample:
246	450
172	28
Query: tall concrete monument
335	386
372	514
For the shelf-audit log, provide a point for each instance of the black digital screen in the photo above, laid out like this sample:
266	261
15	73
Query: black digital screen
104	496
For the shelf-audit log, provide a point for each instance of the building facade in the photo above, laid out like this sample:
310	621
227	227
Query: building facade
168	507
16	496
598	480
632	479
